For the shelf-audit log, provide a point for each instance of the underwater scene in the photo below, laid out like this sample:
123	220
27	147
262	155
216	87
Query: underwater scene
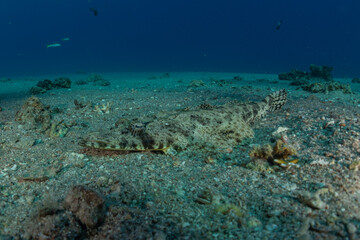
179	119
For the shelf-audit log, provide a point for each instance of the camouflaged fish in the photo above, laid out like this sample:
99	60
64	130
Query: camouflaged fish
220	127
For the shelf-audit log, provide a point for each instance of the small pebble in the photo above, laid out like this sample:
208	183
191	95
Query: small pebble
351	228
271	227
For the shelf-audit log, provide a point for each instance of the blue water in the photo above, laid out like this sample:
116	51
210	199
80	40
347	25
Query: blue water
178	35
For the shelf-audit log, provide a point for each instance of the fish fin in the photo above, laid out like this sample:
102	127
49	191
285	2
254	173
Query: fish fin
276	100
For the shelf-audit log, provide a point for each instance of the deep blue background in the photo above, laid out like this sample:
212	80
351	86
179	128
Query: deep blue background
179	35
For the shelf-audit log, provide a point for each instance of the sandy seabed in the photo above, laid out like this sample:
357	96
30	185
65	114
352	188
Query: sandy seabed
195	194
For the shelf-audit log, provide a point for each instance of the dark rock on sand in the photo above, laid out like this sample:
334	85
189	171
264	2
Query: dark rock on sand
327	87
316	73
81	82
62	82
299	82
37	90
55	224
45	84
293	75
98	80
321	72
87	205
355	80
5	80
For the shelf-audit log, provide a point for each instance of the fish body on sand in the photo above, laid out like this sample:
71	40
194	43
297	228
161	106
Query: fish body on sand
220	127
53	45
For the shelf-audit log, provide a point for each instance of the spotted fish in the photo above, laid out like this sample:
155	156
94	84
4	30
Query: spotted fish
219	127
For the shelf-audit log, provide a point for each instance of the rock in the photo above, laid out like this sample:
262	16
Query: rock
87	205
316	73
5	80
351	228
98	80
45	84
37	90
313	199
327	87
280	131
293	75
25	142
81	82
59	129
355	80
34	114
238	78
55	224
299	82
62	82
102	82
196	83
321	72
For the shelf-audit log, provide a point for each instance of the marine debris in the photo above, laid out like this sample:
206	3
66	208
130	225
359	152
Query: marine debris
221	127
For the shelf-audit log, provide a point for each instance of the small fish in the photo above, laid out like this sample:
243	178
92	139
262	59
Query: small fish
53	45
95	12
279	25
65	39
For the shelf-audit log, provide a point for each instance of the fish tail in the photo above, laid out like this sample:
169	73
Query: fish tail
257	110
276	100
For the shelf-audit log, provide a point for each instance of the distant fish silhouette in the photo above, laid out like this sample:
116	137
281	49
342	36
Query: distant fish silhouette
95	12
53	45
279	25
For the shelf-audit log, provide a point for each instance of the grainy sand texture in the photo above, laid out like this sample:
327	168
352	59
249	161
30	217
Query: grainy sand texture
297	178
